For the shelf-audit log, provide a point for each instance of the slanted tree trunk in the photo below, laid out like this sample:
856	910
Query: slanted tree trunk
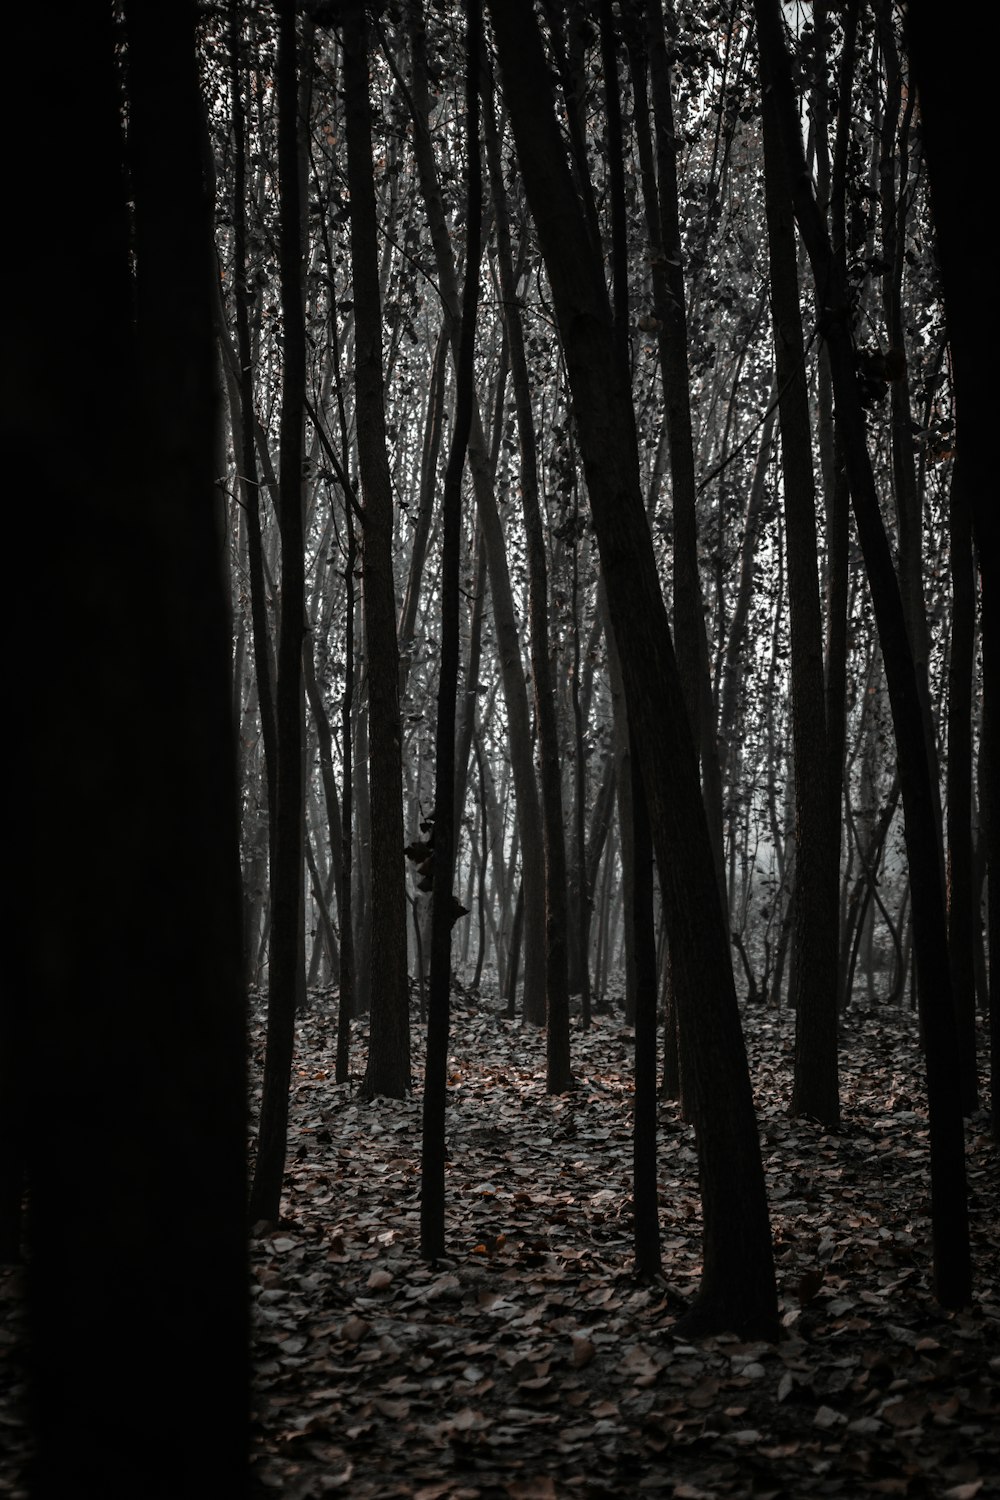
558	1067
817	844
738	1288
961	901
949	1203
505	619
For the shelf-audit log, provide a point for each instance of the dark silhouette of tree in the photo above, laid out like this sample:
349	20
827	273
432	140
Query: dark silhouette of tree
556	917
388	1070
432	1235
131	1029
954	120
738	1281
285	969
952	1267
817	842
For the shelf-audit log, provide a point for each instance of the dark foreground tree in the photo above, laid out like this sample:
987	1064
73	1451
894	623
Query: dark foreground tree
956	124
130	1036
738	1289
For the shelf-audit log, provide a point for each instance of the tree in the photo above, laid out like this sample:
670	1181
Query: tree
952	1266
285	972
388	1070
131	1019
955	129
817	840
738	1280
432	1239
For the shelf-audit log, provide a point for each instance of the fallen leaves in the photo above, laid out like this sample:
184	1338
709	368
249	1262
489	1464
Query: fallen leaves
531	1364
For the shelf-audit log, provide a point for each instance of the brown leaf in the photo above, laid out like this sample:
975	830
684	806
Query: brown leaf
583	1352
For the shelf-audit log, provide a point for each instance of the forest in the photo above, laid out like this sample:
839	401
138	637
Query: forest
505	722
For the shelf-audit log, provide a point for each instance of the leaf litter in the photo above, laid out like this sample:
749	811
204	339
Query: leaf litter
531	1363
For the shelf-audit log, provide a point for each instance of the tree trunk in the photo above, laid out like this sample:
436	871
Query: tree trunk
388	1068
124	1052
738	1288
817	844
949	1209
558	1069
962	906
433	1152
287	859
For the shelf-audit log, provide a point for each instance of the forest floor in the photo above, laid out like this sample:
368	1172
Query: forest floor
531	1365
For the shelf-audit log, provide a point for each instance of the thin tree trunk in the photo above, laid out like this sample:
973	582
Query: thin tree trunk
815	1090
286	864
432	1162
388	1067
961	906
558	1069
949	1203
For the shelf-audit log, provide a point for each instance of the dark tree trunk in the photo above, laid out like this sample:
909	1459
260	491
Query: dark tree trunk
961	901
950	1225
129	1030
956	123
817	844
645	1195
247	456
738	1289
558	1068
529	814
667	266
433	1151
287	860
388	1069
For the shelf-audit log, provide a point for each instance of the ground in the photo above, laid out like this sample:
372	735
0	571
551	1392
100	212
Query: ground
531	1364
